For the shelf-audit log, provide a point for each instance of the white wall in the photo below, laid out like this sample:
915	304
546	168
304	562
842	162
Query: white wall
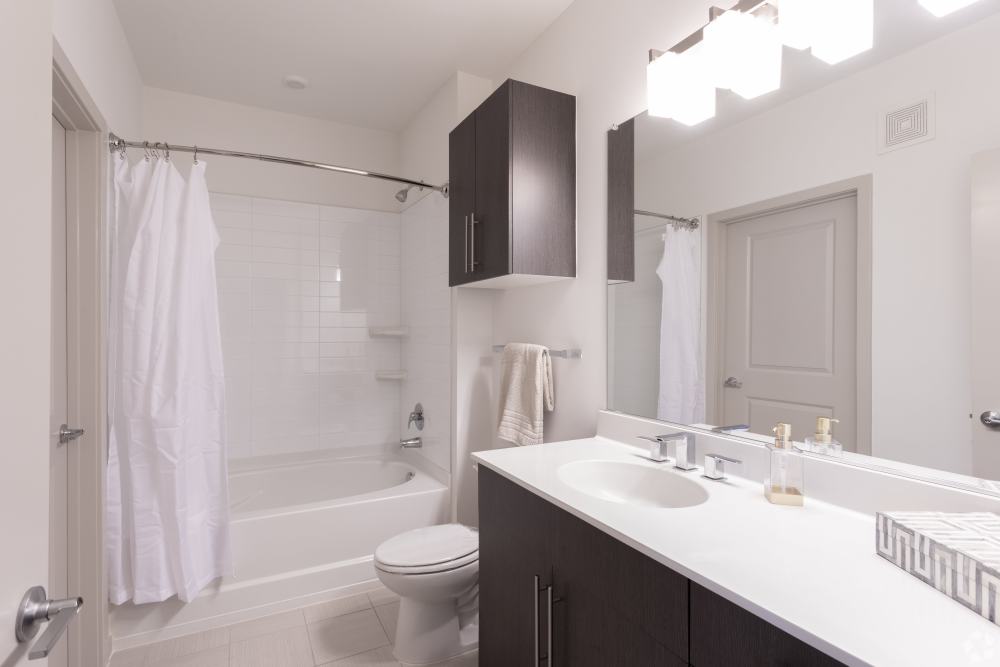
192	120
25	264
91	36
299	287
921	219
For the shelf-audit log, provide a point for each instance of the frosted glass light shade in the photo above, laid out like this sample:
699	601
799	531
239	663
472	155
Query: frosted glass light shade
797	20
743	53
678	86
943	7
844	29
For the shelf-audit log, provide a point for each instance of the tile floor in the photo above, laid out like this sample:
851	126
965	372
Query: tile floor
354	631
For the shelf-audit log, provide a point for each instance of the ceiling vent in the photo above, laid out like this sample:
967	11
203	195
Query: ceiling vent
907	125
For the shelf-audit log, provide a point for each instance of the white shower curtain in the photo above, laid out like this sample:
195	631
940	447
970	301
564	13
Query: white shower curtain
682	386
167	509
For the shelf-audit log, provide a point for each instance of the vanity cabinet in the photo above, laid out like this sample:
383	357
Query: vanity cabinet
610	604
512	189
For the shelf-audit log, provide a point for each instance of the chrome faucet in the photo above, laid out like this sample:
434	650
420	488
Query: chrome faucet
411	443
684	458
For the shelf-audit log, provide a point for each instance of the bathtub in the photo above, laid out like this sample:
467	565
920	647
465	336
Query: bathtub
304	529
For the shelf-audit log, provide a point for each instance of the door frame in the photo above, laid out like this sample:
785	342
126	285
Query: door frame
715	241
87	164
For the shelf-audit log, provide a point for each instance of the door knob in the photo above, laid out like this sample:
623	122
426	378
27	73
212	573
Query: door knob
36	609
990	419
732	383
67	434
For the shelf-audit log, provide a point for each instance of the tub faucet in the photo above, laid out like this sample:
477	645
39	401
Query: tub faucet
411	443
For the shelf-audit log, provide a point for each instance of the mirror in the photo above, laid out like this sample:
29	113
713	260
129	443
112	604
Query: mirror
831	249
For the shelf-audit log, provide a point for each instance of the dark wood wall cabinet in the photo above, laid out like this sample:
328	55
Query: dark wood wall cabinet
512	200
558	592
621	203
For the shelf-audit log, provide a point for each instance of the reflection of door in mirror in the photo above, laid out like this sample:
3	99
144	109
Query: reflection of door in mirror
985	316
783	315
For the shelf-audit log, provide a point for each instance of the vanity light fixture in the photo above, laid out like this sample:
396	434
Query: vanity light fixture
835	30
744	53
679	86
941	8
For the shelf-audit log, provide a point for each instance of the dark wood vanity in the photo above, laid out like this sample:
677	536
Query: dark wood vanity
512	202
557	591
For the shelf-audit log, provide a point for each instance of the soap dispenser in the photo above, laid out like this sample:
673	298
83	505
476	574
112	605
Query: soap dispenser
822	442
785	485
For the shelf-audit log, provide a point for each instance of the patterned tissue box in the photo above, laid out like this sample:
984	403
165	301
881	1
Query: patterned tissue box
956	553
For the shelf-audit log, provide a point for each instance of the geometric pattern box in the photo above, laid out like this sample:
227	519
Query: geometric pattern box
956	553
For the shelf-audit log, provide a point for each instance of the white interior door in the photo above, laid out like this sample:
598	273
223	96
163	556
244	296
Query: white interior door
790	313
59	403
985	316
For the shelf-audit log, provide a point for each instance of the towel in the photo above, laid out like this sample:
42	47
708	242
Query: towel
525	392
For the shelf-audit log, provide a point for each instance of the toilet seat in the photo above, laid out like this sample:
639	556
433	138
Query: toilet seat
429	550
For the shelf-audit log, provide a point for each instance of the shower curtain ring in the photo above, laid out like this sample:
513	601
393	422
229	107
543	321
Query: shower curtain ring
196	154
167	147
145	150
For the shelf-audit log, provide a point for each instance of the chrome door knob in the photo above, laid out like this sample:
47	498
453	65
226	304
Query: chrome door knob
990	419
67	434
732	383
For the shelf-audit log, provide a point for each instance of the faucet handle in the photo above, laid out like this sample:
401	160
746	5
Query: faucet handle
715	466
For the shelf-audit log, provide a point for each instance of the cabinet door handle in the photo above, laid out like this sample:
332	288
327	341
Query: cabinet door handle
472	244
548	654
534	593
465	266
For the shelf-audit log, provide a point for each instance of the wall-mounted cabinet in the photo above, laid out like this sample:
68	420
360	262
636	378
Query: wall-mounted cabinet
512	203
621	203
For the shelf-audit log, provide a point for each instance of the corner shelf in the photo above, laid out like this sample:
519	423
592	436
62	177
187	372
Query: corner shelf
396	376
388	332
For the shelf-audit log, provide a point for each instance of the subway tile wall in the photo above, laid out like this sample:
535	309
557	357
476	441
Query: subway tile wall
427	315
299	286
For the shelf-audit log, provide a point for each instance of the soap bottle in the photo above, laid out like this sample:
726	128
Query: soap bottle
785	485
822	442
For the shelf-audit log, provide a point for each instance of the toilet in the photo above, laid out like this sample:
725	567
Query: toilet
435	572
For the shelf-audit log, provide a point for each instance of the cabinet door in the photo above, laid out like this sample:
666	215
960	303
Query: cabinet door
461	198
621	607
491	246
516	542
725	634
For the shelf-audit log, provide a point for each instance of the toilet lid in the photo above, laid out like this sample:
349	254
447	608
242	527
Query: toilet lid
434	545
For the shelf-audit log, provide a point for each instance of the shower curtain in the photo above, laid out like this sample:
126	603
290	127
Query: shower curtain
682	386
167	506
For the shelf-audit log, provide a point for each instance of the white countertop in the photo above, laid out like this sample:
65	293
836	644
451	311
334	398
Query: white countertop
811	571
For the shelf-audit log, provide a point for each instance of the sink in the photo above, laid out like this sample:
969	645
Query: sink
632	483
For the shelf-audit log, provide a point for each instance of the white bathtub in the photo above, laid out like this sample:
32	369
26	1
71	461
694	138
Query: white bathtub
303	531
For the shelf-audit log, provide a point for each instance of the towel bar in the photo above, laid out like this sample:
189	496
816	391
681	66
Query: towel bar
562	354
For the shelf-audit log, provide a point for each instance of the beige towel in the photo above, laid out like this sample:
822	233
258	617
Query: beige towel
525	391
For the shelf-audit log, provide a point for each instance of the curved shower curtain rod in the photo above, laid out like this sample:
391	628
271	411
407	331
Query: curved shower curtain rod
118	145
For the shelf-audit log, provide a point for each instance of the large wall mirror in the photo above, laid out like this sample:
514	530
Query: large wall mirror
831	249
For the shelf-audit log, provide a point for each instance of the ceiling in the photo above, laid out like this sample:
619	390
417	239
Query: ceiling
900	25
372	63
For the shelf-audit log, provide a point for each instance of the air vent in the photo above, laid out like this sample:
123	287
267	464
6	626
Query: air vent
907	125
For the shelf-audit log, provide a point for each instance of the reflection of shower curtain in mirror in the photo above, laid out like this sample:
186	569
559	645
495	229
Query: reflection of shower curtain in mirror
167	514
682	386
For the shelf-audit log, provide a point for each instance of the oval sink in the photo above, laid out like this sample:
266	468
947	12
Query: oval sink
632	483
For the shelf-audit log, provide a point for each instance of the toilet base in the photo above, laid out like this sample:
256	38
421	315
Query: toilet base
429	632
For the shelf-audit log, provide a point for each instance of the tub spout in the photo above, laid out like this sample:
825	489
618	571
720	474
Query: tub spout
411	443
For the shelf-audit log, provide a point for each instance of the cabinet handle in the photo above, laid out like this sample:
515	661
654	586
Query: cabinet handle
548	654
534	593
465	267
472	243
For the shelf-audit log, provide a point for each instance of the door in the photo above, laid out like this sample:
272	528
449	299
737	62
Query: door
461	198
516	543
985	318
59	394
790	319
491	231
